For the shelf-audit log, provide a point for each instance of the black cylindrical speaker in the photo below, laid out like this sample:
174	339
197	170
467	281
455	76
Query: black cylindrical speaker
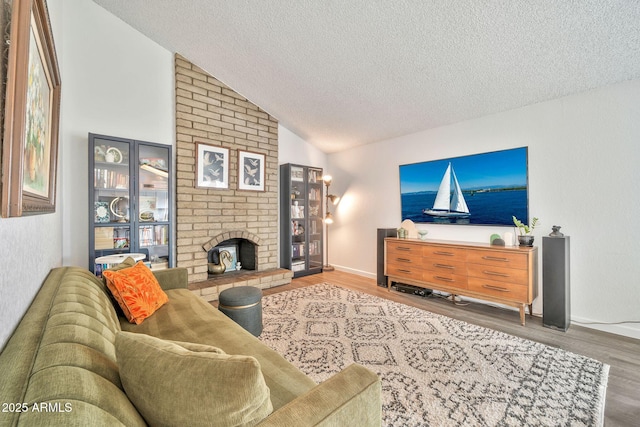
382	233
556	302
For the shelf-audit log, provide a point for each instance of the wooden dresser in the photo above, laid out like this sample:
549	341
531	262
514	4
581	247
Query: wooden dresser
502	274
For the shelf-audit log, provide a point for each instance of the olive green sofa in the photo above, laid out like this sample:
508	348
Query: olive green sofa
60	368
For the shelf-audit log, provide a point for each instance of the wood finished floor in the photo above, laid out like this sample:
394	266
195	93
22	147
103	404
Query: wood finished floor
622	407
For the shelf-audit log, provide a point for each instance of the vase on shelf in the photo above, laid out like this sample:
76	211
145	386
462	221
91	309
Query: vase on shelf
525	240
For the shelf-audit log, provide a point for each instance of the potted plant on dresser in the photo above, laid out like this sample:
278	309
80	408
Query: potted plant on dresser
525	238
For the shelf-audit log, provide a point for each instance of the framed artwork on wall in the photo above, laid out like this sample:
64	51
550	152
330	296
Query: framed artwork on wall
250	171
212	166
32	114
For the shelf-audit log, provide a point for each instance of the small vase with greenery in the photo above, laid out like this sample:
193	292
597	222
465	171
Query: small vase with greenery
525	238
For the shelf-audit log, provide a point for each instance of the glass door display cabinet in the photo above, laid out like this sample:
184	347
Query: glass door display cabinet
301	225
130	204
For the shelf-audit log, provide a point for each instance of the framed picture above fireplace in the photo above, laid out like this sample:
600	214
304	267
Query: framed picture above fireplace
250	171
212	166
478	189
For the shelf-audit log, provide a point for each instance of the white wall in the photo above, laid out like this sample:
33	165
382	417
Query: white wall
115	81
29	248
583	175
293	149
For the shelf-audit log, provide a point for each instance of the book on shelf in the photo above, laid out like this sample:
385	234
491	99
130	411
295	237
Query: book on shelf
161	235
146	236
297	266
104	238
106	178
314	247
314	194
155	266
297	250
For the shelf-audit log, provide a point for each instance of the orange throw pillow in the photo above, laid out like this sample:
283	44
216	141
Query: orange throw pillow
137	291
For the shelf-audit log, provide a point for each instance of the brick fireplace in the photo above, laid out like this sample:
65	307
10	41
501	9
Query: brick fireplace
210	112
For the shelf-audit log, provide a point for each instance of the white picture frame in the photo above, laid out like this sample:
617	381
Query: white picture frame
251	168
212	166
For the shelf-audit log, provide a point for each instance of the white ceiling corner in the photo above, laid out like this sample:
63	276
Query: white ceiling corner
345	73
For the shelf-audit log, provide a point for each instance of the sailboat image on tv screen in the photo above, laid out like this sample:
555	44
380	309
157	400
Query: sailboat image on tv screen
448	205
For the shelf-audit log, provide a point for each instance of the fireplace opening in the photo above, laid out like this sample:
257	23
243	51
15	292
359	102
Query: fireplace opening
242	255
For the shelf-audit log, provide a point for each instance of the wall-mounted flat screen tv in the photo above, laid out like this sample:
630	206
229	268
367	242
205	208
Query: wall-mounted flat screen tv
479	189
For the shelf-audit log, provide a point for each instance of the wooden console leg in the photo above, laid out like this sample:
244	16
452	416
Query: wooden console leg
531	310
522	314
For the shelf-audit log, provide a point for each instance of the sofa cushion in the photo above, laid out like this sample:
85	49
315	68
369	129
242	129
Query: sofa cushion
126	263
224	390
137	291
187	317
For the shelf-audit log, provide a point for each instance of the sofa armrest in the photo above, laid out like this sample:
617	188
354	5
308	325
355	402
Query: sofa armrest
172	278
350	397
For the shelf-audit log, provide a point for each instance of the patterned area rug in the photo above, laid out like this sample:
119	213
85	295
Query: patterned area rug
435	371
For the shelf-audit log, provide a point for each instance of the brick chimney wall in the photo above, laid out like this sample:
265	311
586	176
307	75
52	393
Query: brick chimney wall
208	111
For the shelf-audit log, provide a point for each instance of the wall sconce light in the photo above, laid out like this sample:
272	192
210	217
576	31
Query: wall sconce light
328	218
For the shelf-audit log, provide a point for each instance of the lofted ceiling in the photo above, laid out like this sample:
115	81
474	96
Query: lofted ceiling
342	73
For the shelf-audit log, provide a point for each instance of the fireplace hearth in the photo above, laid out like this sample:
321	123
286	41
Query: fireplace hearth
210	289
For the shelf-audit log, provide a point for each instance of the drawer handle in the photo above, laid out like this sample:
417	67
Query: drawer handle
404	271
495	288
446	279
451	267
495	273
443	253
402	248
403	260
495	258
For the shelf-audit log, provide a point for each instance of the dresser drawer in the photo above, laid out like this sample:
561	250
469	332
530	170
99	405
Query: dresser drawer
498	259
404	254
444	252
450	280
444	266
413	272
508	291
500	274
403	247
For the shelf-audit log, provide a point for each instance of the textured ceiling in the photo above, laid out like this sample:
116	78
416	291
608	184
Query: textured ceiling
345	73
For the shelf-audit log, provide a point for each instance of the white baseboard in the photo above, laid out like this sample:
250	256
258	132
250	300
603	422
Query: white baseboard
630	330
354	271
